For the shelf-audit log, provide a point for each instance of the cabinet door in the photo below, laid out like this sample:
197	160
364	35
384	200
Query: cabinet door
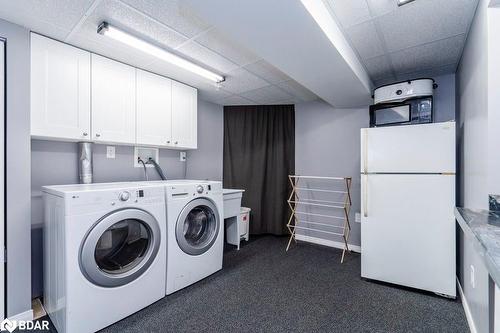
184	115
60	90
113	101
154	109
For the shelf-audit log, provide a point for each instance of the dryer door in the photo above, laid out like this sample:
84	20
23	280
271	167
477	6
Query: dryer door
120	247
197	226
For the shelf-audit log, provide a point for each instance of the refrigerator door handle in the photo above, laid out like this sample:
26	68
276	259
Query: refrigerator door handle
365	150
365	195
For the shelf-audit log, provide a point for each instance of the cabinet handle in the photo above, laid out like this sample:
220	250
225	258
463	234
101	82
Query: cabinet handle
98	135
85	134
168	141
176	142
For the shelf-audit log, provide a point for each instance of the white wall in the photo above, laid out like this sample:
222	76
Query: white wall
327	143
17	168
473	154
494	100
472	94
206	161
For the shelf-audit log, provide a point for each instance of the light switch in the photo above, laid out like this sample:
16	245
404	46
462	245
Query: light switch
110	151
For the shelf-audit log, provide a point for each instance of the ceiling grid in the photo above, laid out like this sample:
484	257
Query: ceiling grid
424	37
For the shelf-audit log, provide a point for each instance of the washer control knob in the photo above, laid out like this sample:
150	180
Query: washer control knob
199	189
124	196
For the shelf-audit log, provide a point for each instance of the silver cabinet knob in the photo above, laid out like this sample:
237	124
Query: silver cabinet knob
98	135
85	134
168	141
176	142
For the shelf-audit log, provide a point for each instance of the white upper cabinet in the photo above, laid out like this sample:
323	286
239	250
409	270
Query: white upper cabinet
154	109
60	90
184	115
80	96
113	101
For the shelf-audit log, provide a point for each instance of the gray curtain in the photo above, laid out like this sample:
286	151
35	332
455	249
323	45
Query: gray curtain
259	154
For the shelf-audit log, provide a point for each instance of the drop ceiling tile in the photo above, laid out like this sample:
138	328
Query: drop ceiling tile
266	95
295	89
381	7
206	57
350	12
54	18
121	15
173	13
430	72
268	72
365	40
235	100
423	21
212	94
383	81
218	42
379	67
241	80
443	52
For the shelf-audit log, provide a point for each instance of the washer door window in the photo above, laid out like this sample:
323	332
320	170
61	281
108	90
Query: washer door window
120	247
197	226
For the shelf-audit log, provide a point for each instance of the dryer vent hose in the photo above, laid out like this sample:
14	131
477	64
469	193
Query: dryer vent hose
85	162
158	168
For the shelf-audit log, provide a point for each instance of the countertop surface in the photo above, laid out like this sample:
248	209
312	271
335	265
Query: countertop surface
484	227
231	190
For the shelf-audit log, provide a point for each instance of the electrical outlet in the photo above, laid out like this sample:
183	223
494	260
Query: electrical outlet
182	156
357	217
472	277
110	152
145	154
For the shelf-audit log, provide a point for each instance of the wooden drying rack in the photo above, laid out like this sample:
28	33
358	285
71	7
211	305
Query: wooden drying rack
335	225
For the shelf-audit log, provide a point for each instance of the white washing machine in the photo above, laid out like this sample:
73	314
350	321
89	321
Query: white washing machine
104	253
195	231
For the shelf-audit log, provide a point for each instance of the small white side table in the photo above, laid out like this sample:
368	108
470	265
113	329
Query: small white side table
232	209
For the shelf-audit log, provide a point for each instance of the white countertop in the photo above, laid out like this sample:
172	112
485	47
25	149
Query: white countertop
231	191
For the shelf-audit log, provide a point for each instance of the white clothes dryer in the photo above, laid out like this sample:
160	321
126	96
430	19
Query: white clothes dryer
195	228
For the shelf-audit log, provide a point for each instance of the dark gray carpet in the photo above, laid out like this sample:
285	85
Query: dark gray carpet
264	289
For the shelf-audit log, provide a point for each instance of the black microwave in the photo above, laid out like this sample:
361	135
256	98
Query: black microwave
418	110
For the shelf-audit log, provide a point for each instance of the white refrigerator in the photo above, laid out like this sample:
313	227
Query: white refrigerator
407	202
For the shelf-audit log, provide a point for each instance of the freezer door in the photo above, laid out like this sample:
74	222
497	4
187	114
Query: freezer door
426	148
408	231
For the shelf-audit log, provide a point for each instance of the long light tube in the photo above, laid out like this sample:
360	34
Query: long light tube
404	2
119	35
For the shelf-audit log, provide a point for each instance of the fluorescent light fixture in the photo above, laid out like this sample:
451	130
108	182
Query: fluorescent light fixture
404	2
117	34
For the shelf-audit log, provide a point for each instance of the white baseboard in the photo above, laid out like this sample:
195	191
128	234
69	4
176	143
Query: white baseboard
468	314
23	316
325	242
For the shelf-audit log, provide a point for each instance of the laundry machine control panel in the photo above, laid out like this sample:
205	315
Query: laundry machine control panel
129	197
